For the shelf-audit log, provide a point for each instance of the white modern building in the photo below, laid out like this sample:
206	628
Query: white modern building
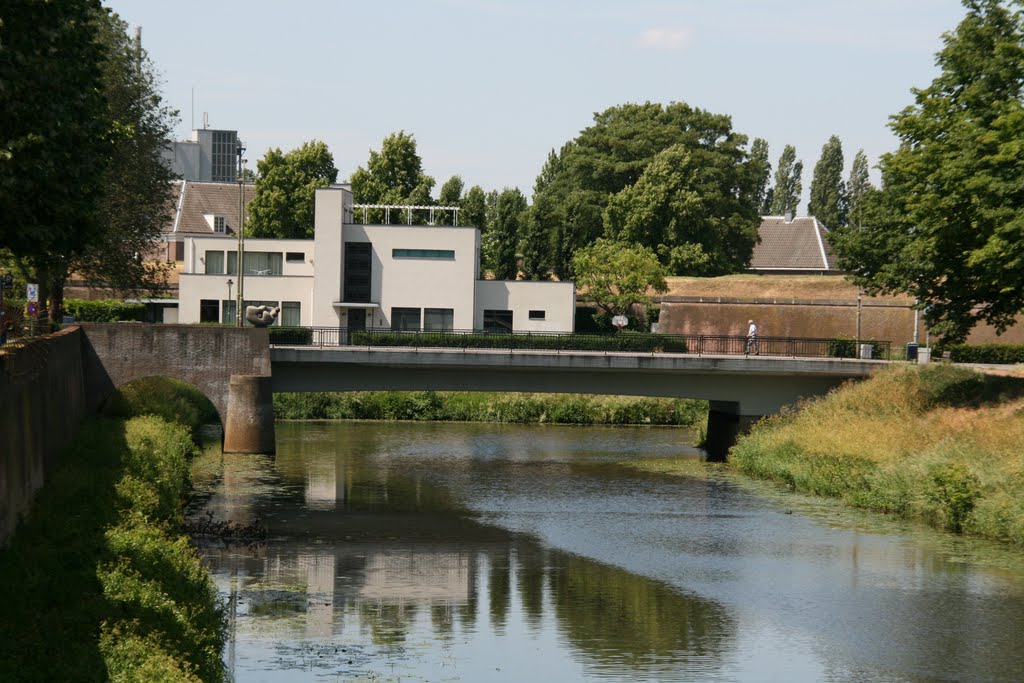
210	156
358	276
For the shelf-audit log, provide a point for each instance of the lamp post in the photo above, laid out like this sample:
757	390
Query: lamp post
230	282
240	260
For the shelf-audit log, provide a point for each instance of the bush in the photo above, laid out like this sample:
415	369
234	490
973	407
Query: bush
104	310
293	336
996	354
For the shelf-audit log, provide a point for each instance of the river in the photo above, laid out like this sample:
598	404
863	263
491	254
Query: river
464	552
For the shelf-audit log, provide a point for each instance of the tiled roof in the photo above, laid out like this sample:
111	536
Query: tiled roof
195	199
799	245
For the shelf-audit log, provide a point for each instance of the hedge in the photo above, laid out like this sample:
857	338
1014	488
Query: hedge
986	353
295	336
847	348
623	341
104	310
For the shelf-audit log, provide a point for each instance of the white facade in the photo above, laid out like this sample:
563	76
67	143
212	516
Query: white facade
368	276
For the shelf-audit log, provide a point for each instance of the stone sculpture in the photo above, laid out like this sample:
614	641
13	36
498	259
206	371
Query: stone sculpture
261	316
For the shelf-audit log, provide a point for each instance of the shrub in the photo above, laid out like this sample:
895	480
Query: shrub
954	490
996	354
293	336
104	310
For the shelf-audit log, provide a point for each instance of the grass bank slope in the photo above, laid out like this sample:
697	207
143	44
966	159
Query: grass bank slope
939	443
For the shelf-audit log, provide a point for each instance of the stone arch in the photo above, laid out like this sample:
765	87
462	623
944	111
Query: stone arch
220	410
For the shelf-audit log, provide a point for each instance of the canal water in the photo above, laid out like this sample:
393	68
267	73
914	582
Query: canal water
461	552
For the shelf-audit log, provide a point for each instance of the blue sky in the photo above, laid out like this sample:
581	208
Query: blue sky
488	87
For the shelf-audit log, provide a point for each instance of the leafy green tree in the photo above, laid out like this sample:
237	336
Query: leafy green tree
684	205
474	209
788	184
857	189
612	154
828	194
393	176
618	276
55	136
761	168
534	245
503	236
948	225
451	195
286	186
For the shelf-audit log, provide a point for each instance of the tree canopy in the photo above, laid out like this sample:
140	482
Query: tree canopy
394	175
788	183
617	276
857	188
828	193
503	234
948	225
286	187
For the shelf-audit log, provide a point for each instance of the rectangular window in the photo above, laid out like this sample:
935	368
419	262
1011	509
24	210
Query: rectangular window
219	224
214	262
537	315
294	257
438	319
262	263
227	309
291	313
497	321
443	254
232	263
358	268
405	319
209	311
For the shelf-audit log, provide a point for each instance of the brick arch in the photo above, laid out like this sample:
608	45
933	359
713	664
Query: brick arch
205	356
204	390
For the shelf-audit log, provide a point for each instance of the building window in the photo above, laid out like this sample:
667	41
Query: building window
227	309
209	311
537	315
291	313
220	224
262	263
224	156
405	319
295	257
232	263
214	262
442	254
438	319
358	269
497	321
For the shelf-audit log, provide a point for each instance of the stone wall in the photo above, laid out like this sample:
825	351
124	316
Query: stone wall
42	402
813	318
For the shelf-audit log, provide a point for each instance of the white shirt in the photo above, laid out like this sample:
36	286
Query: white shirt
752	331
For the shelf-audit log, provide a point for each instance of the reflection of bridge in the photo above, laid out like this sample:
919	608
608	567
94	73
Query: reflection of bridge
237	370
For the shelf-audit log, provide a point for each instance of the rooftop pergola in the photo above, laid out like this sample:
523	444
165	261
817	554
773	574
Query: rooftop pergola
408	209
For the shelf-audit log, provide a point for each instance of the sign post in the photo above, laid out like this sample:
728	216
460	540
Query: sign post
32	294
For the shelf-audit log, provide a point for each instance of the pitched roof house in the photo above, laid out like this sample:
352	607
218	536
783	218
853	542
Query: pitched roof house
793	246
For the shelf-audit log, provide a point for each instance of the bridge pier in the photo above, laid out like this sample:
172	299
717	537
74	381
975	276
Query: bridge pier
725	424
249	422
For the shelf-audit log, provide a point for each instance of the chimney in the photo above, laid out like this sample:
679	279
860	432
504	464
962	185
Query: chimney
789	216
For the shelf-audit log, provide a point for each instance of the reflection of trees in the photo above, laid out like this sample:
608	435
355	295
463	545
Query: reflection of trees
499	587
386	623
531	565
613	614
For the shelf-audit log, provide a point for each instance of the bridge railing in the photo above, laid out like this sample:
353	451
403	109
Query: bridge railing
624	342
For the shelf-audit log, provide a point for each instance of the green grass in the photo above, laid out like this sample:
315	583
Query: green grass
98	583
935	443
490	407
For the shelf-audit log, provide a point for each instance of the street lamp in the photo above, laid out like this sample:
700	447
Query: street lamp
230	282
240	261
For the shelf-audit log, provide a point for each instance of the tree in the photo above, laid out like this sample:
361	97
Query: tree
762	172
948	225
503	235
393	176
137	197
856	190
683	206
613	153
451	195
286	185
788	185
617	276
828	194
56	135
474	209
534	241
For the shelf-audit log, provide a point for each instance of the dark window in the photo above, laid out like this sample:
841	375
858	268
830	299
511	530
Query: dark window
405	319
357	272
179	251
537	315
294	257
209	311
497	321
438	319
445	254
219	224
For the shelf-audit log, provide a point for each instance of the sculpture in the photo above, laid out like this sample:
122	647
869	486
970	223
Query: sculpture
261	316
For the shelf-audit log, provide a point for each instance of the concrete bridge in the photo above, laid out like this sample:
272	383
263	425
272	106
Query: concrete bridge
238	371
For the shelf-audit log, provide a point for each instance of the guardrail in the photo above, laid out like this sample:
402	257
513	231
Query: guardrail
626	342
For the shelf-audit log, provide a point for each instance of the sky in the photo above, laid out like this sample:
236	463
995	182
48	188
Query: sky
489	87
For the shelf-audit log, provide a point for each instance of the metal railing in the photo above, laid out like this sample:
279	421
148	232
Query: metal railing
620	342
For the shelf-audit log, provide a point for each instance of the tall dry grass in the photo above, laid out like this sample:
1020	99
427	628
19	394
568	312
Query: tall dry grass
939	443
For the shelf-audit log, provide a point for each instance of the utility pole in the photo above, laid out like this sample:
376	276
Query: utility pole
240	260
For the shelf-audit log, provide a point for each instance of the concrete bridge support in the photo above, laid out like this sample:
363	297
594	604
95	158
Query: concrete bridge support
725	424
249	422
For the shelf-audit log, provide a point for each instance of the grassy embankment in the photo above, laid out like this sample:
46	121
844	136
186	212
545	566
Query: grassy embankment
99	583
456	406
938	443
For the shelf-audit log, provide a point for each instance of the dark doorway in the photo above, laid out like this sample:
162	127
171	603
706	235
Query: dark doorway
356	319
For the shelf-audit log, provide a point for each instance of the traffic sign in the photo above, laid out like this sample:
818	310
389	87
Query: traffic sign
32	292
32	309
